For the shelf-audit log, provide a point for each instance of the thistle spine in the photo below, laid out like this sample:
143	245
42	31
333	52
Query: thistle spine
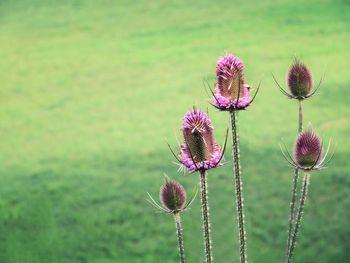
303	196
179	237
238	189
205	217
295	188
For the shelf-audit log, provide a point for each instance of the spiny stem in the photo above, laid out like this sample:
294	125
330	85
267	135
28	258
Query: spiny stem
300	117
292	210
179	237
294	190
205	217
299	216
238	189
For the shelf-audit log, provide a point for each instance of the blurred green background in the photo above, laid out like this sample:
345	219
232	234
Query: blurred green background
90	91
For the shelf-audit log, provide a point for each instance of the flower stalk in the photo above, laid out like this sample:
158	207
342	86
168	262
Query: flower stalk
303	196
294	189
300	128
238	189
292	210
205	217
179	237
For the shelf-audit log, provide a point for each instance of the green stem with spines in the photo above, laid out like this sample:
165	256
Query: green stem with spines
179	237
303	196
205	217
238	189
294	189
300	128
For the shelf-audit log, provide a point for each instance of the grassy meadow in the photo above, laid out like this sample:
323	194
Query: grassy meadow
91	91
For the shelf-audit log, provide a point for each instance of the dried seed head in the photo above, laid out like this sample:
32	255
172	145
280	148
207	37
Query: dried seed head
299	80
172	195
230	91
307	149
200	149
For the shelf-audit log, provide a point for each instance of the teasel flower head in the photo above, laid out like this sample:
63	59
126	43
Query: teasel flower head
231	91
308	152
173	197
199	150
300	82
307	149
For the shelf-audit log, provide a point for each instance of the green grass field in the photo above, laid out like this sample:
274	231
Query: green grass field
90	91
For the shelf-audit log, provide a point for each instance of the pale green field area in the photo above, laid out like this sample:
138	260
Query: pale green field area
91	91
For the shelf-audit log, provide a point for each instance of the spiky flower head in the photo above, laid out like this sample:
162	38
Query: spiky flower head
308	150
299	80
173	198
199	151
230	91
172	195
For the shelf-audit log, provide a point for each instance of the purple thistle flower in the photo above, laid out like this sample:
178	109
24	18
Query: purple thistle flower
173	196
230	91
299	80
307	150
200	151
